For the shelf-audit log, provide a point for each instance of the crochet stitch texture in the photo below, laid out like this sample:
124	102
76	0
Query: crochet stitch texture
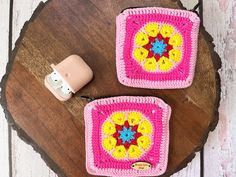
156	47
121	131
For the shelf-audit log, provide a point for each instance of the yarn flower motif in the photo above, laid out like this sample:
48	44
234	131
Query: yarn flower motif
158	47
126	135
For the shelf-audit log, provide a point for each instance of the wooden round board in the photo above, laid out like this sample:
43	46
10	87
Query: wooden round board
87	28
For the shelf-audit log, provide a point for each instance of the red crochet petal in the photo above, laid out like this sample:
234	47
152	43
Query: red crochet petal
151	39
127	145
165	54
157	57
166	40
169	47
159	37
116	135
133	142
126	124
147	46
137	135
119	127
119	142
134	128
150	54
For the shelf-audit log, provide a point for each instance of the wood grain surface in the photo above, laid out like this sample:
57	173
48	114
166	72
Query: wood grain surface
88	29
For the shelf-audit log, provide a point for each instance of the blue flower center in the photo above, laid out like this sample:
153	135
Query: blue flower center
126	135
158	47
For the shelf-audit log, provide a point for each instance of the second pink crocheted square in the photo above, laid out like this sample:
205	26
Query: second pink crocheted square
156	47
127	136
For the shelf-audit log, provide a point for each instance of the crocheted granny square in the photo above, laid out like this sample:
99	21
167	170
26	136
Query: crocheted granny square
127	136
156	47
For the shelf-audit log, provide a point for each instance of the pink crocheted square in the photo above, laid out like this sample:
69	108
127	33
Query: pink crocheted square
127	136
156	47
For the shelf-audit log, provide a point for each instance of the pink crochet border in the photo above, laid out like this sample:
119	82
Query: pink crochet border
120	40
159	169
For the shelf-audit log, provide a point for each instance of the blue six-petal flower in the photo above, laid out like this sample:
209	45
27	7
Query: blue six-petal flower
158	47
126	135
